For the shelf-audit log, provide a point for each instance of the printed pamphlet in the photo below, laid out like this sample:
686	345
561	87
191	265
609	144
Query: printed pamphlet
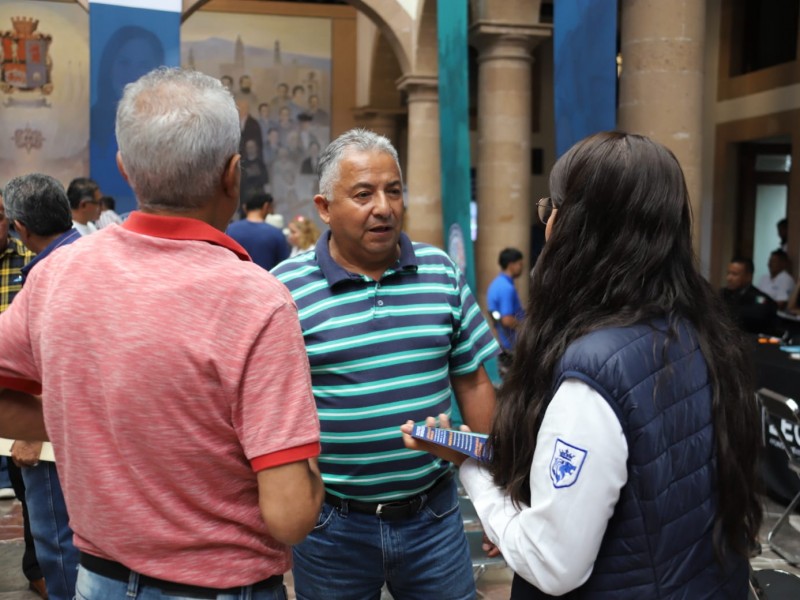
46	453
469	443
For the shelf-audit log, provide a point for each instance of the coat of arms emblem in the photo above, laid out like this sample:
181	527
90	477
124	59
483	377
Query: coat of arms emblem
565	466
25	63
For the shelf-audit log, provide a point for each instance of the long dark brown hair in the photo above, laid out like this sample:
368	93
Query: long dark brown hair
620	253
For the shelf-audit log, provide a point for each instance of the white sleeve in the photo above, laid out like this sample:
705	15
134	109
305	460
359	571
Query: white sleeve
579	467
788	285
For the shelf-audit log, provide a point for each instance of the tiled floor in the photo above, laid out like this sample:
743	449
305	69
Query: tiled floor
493	585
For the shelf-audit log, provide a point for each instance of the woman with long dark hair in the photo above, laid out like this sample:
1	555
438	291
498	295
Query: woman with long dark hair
626	434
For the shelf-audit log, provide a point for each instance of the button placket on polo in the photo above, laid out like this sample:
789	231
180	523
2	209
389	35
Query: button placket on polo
378	296
372	295
381	308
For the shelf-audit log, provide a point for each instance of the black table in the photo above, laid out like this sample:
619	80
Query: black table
775	370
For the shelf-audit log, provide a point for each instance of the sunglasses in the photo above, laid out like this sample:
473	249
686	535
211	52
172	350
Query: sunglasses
545	208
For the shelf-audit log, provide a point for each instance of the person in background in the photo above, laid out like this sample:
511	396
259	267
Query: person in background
285	125
246	92
265	122
265	244
310	165
14	256
303	234
108	213
783	234
186	445
504	305
778	284
391	329
84	200
251	131
282	98
298	102
753	310
318	115
625	444
255	176
276	220
272	147
40	211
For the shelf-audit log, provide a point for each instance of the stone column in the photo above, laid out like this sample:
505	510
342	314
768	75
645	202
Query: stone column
661	85
423	176
503	157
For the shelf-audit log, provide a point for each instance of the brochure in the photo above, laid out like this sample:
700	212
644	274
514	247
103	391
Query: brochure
46	453
469	443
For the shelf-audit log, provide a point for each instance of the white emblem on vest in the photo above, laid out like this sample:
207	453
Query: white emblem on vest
566	464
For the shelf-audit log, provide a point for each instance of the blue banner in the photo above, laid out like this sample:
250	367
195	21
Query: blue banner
454	135
585	65
128	38
454	144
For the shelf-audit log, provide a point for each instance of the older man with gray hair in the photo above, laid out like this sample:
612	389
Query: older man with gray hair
391	330
38	207
186	445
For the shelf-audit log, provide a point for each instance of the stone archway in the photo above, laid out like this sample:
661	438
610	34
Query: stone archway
426	52
390	17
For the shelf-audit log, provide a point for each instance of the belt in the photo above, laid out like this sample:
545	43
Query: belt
394	510
115	570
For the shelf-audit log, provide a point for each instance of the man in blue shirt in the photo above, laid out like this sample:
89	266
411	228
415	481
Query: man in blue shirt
503	300
38	206
265	244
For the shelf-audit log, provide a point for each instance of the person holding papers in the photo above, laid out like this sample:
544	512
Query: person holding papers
624	445
38	207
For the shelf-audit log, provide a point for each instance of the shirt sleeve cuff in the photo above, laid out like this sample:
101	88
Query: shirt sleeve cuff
284	457
21	385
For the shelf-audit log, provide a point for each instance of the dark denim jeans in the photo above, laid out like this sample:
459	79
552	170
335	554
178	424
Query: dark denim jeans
92	586
57	555
5	480
30	566
350	555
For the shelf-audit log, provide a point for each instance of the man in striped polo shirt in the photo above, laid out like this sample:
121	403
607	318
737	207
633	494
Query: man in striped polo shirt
391	330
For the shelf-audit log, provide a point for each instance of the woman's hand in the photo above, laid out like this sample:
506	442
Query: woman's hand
444	453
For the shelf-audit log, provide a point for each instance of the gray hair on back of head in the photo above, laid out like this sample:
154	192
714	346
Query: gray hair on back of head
176	129
39	202
360	140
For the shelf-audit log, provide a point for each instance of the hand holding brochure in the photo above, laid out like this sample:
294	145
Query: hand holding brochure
46	454
465	442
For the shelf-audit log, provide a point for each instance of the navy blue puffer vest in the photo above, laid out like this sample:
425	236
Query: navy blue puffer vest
658	544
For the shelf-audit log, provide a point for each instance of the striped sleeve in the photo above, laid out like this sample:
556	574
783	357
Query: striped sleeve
473	340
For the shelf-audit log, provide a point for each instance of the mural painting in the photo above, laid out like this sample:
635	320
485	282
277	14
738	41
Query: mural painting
278	69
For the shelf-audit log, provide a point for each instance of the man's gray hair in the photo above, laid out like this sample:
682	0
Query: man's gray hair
176	129
360	140
39	202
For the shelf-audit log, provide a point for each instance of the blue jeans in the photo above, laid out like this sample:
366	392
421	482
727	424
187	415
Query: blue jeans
52	537
92	586
350	555
5	481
